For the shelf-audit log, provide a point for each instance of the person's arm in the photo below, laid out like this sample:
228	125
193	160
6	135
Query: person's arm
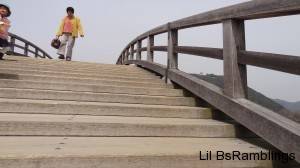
80	28
60	30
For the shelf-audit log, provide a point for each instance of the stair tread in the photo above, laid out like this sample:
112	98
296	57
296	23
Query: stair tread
83	73
95	97
58	68
100	88
15	146
14	117
85	80
55	102
44	92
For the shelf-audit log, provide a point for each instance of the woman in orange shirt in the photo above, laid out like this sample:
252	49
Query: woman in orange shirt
69	28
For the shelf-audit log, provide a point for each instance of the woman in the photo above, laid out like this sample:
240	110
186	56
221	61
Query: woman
68	29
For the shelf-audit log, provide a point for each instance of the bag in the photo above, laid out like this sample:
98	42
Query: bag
55	43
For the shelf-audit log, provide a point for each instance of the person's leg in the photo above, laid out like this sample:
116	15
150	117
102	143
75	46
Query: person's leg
4	50
62	47
71	43
5	47
1	56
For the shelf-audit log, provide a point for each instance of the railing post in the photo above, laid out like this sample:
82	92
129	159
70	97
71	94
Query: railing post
126	54
131	51
150	43
172	41
12	43
122	58
138	50
26	49
36	54
235	74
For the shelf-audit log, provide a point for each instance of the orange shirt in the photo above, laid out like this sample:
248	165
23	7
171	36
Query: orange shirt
67	25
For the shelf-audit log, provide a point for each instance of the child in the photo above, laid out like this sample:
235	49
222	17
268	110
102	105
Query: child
4	26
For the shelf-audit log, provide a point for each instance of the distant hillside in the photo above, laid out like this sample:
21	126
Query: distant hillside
291	106
254	96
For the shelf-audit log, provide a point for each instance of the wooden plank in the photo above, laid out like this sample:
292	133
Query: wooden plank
278	62
143	49
18	46
215	53
159	48
256	9
235	75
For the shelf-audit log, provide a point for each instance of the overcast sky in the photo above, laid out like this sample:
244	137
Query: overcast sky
109	25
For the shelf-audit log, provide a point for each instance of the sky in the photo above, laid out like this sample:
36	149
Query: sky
109	25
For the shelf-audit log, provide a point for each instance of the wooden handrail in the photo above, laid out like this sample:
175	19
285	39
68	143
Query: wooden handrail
277	130
26	46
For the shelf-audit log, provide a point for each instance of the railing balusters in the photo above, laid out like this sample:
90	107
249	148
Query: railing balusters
28	44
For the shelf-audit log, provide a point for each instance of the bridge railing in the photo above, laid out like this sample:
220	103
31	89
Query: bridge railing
37	52
279	131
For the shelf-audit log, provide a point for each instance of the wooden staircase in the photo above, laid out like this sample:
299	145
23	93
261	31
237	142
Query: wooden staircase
83	115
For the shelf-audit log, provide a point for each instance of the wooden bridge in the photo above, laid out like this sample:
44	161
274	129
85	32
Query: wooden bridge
76	114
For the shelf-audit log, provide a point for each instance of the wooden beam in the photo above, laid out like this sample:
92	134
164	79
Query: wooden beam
138	50
283	63
216	53
150	43
160	48
172	42
131	51
127	54
235	74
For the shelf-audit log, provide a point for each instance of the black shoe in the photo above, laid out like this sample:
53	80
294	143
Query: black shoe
61	57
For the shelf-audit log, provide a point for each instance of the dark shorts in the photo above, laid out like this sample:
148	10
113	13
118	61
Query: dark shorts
4	43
